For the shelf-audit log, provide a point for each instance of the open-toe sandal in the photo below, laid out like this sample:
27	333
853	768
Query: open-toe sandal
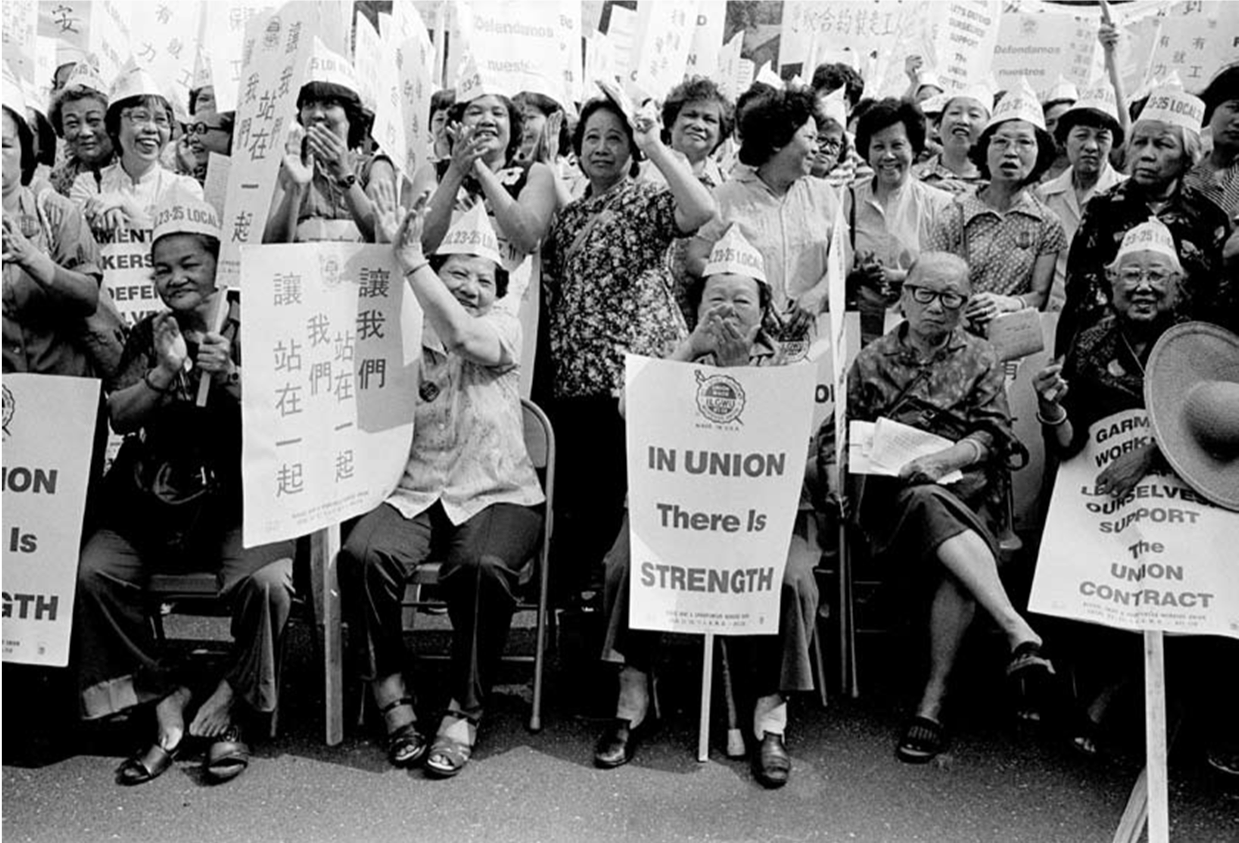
447	757
228	756
1027	656
149	764
923	740
405	744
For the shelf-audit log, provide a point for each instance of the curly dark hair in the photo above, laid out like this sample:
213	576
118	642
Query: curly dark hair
829	77
68	95
698	89
1047	151
770	121
516	123
359	120
501	274
886	113
606	104
111	119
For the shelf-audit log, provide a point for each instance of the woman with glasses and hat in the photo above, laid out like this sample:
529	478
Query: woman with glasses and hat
1163	145
1008	236
326	185
78	115
173	502
139	124
937	518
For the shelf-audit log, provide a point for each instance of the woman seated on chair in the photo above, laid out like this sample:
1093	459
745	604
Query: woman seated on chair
732	300
931	374
469	496
172	503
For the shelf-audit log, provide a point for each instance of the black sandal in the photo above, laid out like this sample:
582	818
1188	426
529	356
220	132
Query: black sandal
144	766
405	745
923	740
227	757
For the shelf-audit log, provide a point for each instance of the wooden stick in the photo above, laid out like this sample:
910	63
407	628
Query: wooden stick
1155	736
707	680
1131	826
847	619
735	737
217	322
324	548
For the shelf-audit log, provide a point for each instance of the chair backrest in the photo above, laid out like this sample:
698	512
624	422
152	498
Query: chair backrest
539	438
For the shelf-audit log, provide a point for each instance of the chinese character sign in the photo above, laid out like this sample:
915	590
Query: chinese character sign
716	458
415	59
275	53
332	340
164	37
49	424
19	27
1160	558
664	37
376	65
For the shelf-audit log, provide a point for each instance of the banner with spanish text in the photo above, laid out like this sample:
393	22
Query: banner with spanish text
716	459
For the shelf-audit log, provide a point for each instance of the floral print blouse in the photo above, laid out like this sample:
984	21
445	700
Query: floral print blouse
611	292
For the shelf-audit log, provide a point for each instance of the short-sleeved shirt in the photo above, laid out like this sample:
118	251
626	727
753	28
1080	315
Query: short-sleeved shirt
791	230
1220	185
63	176
1000	247
468	449
147	190
38	337
895	233
324	214
610	292
1059	194
936	174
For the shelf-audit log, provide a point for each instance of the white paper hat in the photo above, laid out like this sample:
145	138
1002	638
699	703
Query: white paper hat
1152	235
474	81
472	234
11	96
833	107
1097	98
1019	103
1176	107
332	68
980	92
134	81
927	78
935	104
181	212
1063	91
767	76
734	254
84	75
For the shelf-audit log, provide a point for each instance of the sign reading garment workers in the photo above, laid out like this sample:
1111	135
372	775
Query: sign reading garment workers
125	258
1161	558
49	424
716	459
332	339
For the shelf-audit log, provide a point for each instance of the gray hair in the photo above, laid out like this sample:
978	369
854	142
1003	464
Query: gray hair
1193	149
947	262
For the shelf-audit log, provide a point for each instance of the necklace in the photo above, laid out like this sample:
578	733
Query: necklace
1132	352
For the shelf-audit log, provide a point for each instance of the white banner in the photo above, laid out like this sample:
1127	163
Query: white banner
49	428
276	48
1042	47
965	42
164	37
518	46
707	38
664	36
125	259
95	29
1161	558
415	58
716	460
332	339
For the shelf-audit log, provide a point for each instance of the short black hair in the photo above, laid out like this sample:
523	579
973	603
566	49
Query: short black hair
830	77
1223	87
441	101
1090	118
26	138
1047	152
770	121
696	289
501	274
209	244
886	113
68	95
606	104
516	123
359	120
45	137
698	89
111	119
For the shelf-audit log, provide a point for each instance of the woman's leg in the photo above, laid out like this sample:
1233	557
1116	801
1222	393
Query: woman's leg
950	615
968	558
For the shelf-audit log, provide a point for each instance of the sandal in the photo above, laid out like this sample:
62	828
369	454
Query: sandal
923	740
151	764
447	757
405	744
228	757
1026	657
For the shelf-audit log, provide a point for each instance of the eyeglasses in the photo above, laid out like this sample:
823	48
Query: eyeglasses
829	143
202	128
924	295
145	118
1156	277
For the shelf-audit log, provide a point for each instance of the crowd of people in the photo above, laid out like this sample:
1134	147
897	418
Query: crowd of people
694	229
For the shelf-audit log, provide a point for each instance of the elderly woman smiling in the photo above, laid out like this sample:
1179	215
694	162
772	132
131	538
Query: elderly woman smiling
77	115
931	374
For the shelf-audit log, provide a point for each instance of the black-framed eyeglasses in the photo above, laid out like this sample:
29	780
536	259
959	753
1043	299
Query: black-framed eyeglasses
829	144
201	128
924	295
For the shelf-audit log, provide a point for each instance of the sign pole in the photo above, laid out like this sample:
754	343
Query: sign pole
707	683
1155	736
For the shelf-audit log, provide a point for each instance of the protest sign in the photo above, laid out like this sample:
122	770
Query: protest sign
215	188
515	46
20	27
728	74
163	36
707	39
1041	47
1161	558
572	59
601	61
49	425
965	42
1196	39
621	32
332	339
842	24
415	57
223	39
664	36
125	259
715	464
377	72
97	30
274	53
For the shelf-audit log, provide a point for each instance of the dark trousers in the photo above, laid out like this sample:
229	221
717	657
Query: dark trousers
118	659
482	560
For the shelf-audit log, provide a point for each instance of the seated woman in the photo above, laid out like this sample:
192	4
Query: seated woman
1104	374
931	374
469	494
173	502
732	300
326	184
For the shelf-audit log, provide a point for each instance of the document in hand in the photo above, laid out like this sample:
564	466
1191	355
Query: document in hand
885	446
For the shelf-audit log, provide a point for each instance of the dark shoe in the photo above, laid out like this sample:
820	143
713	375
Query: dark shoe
772	766
923	740
405	744
151	764
618	744
227	757
1027	656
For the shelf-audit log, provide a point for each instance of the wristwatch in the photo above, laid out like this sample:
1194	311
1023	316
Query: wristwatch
347	181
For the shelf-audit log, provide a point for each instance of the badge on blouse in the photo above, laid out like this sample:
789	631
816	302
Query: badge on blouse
429	391
1025	239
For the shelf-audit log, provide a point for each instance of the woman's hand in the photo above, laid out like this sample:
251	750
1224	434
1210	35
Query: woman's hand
984	307
647	128
731	346
17	247
912	67
1051	388
1108	36
387	214
294	169
550	138
927	469
330	149
1122	475
169	344
804	310
215	356
467	150
111	211
407	238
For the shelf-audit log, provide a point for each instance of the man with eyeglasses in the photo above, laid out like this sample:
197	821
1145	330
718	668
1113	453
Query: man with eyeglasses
936	525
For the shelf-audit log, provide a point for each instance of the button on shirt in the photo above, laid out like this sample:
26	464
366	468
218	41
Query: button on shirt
468	447
1059	195
1000	247
792	230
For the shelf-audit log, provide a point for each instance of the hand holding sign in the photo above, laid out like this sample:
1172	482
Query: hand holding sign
215	356
1051	389
647	128
1122	475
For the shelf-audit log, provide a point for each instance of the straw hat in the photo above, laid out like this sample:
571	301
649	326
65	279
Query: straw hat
1191	390
734	254
181	212
472	234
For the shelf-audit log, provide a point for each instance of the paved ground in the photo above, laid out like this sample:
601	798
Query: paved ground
999	782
